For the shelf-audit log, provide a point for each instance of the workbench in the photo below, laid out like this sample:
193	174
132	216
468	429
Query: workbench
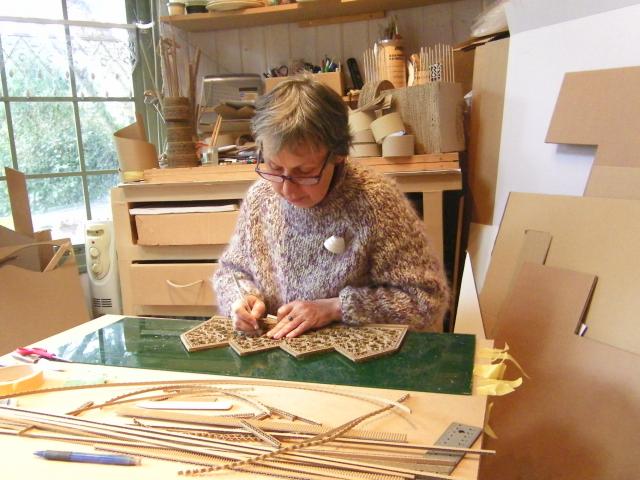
431	413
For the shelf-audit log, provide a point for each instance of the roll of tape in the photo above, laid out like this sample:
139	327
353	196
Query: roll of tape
387	125
364	136
371	90
20	378
364	150
359	121
398	146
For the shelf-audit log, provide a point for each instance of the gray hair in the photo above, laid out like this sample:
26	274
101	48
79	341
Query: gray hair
300	111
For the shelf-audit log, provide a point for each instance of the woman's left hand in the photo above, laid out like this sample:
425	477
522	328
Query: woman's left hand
297	317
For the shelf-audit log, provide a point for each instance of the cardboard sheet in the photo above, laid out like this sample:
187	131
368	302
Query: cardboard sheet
576	418
600	107
597	235
19	199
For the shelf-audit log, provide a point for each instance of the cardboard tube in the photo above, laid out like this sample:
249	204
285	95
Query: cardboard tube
386	125
398	146
364	150
359	121
364	136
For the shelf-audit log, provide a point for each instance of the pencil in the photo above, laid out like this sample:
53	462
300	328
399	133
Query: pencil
82	457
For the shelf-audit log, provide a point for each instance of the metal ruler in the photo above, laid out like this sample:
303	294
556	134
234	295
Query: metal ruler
456	435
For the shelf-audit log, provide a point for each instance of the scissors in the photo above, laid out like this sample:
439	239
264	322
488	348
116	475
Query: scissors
39	353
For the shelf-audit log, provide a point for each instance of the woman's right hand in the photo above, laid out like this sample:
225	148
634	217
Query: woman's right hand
245	313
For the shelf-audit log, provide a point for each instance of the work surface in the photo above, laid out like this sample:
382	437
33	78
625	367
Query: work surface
430	415
425	362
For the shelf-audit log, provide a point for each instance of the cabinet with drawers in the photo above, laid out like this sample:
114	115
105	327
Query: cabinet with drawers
166	261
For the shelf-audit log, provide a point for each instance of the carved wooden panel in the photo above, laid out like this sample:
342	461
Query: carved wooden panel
355	343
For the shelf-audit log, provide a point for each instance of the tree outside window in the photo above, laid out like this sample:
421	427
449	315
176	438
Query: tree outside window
66	88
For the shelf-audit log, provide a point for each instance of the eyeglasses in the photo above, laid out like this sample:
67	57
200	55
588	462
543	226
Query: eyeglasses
274	177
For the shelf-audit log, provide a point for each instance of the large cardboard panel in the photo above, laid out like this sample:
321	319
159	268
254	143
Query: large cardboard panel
600	108
577	416
489	80
613	182
597	235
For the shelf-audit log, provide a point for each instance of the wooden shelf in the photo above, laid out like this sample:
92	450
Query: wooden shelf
293	12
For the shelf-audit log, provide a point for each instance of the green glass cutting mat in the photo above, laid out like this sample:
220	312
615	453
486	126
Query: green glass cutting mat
426	362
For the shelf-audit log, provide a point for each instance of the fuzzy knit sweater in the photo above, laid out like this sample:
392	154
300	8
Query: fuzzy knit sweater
388	273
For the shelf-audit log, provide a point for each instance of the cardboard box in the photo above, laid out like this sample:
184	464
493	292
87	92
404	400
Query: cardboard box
35	304
213	228
433	112
332	80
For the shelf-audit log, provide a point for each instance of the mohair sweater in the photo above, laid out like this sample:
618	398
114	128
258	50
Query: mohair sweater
387	274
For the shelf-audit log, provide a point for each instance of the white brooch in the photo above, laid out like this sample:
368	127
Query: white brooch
335	244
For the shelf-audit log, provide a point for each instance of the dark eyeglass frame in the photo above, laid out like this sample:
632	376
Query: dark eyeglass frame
277	178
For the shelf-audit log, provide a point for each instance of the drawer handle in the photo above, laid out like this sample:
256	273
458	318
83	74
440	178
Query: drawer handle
176	285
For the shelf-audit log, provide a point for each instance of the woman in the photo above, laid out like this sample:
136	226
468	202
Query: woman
377	268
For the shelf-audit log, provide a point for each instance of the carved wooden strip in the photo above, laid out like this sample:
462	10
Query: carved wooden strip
261	434
269	426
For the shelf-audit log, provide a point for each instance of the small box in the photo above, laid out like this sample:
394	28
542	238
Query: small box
332	80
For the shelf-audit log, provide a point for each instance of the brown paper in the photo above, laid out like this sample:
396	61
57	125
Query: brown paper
135	154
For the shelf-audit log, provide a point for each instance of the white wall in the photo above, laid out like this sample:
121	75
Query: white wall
538	60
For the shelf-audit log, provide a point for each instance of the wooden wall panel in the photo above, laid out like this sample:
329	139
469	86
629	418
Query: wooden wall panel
303	42
277	45
437	24
252	50
229	53
329	42
464	12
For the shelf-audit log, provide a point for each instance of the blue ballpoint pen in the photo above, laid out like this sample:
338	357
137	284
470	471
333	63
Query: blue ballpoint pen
107	459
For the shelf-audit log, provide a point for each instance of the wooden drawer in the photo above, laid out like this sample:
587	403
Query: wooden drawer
172	284
211	228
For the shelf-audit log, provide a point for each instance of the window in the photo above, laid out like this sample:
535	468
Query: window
66	87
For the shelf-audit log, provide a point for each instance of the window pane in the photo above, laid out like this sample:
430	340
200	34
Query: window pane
36	60
5	151
103	61
51	9
45	135
100	195
97	10
98	121
5	209
58	204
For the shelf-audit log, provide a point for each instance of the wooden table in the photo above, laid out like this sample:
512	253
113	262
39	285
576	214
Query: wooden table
430	415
